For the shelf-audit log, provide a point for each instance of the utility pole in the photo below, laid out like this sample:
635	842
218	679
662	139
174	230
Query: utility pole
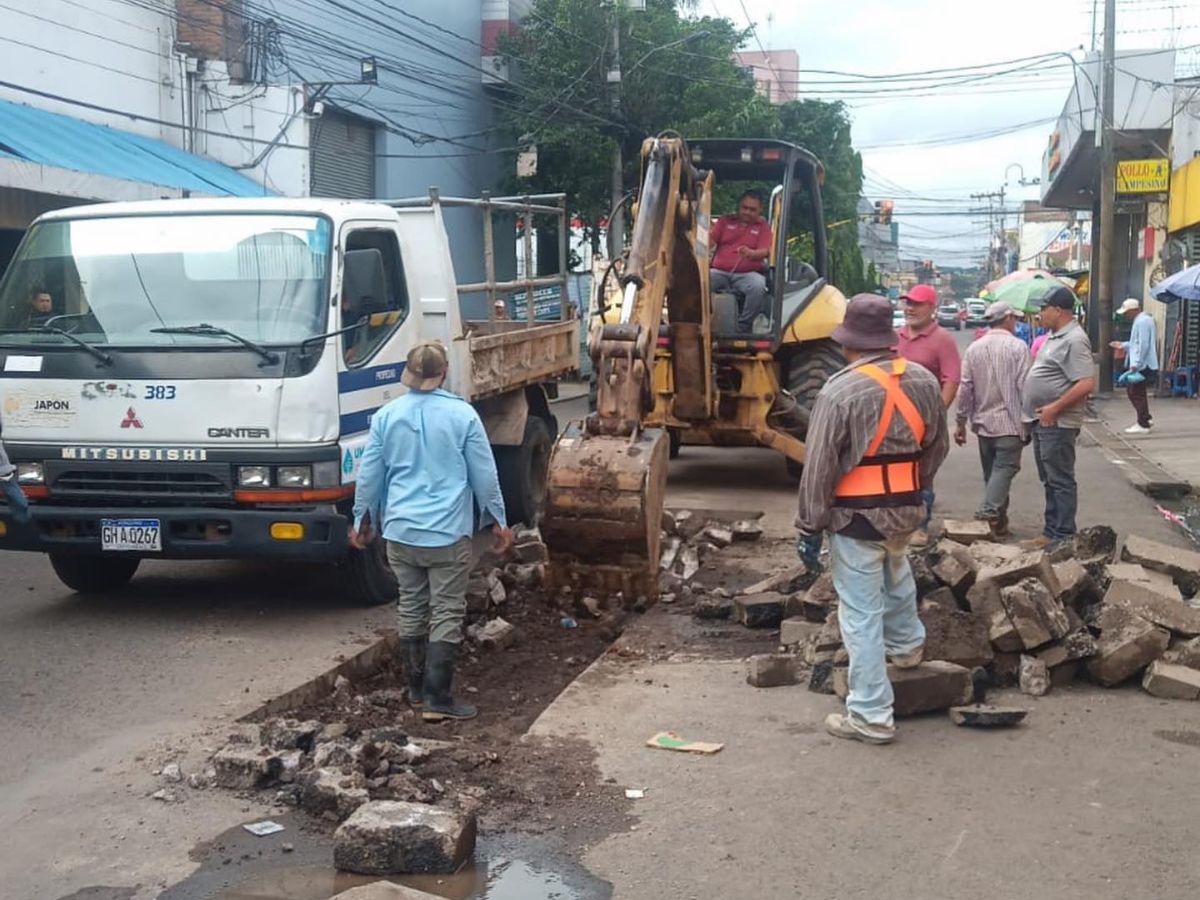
1108	198
995	266
616	224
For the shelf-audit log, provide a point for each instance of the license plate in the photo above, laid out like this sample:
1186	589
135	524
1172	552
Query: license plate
131	534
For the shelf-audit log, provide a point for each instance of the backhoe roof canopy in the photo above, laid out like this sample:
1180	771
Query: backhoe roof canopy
753	159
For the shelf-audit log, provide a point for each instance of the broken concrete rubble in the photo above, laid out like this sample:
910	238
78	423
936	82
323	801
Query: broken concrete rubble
1147	602
713	607
954	567
1178	563
1184	653
955	636
786	582
759	610
746	530
386	837
1034	564
1139	574
767	670
967	531
1171	682
1095	542
1079	644
494	634
1037	617
1075	584
984	716
929	687
286	734
796	631
327	791
1033	677
244	766
1127	644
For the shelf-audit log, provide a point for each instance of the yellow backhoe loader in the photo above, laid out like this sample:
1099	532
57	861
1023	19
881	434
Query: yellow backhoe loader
671	366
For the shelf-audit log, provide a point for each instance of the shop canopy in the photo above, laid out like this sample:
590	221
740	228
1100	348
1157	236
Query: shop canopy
56	154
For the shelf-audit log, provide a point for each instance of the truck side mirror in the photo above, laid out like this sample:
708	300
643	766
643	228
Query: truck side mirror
364	287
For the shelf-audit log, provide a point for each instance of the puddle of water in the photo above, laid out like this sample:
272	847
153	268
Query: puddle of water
238	866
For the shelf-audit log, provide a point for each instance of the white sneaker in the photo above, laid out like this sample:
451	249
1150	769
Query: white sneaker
852	728
1137	429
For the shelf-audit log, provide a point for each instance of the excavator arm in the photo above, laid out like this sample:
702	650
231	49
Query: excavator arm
607	474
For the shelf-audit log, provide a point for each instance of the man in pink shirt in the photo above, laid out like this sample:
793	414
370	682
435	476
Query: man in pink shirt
741	245
924	341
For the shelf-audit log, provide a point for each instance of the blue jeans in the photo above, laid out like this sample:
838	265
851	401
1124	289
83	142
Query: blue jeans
928	498
877	612
1054	451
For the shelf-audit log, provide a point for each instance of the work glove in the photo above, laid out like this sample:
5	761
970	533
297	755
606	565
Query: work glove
1133	378
808	547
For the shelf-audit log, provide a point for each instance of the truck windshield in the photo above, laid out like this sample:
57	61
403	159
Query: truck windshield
121	281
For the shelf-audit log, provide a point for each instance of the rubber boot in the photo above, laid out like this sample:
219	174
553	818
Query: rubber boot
412	652
439	675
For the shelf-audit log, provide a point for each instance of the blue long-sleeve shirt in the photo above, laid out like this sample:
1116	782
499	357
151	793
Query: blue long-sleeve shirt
426	459
1142	347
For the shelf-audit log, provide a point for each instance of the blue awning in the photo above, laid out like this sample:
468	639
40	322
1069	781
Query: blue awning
49	139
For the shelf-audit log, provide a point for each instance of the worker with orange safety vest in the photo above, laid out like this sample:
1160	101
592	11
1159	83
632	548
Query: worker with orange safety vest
877	435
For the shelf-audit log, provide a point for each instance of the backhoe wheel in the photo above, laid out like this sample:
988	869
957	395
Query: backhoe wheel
522	472
371	581
675	436
807	372
794	469
93	574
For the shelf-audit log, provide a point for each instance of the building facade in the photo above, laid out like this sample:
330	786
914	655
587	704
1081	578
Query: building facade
774	71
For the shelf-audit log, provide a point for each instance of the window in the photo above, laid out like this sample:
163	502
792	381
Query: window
382	315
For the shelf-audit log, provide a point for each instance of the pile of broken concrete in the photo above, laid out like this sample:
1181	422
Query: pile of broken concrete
997	614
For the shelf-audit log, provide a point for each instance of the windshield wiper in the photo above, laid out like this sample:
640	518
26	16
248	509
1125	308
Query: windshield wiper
216	331
50	329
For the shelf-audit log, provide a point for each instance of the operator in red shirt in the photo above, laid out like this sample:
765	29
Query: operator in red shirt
924	341
741	246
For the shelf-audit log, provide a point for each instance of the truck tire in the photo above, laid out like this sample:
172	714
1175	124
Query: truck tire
807	372
522	472
675	436
93	574
372	581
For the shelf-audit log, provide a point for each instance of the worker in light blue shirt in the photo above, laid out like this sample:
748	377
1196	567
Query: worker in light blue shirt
426	465
1141	363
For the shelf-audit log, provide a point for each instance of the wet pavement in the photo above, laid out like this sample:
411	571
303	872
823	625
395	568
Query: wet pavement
236	865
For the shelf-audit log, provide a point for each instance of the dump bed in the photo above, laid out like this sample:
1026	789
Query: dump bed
528	342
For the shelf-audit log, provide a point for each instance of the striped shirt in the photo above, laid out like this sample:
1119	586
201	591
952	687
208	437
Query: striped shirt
989	396
843	424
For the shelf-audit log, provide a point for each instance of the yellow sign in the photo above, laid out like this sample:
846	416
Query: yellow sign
1143	176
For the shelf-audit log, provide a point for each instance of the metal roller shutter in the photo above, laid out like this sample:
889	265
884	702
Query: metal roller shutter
342	156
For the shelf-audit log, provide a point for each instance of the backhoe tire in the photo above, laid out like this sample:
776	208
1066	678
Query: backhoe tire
370	581
523	471
93	574
807	372
675	436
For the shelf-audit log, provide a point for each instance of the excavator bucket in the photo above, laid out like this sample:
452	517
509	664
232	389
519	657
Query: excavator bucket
603	516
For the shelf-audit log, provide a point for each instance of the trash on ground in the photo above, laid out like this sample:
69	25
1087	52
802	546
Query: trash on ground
263	828
669	740
634	793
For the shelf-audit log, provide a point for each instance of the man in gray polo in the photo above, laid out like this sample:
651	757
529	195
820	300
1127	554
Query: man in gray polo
1052	402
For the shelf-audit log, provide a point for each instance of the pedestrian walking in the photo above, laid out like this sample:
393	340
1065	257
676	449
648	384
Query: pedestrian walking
989	402
426	465
1052	402
924	341
876	435
1141	363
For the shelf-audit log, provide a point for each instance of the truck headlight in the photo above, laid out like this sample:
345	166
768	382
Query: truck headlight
30	473
254	476
295	476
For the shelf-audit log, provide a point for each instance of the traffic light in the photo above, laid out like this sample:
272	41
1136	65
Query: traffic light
883	212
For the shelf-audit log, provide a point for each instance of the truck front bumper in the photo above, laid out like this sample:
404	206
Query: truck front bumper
186	532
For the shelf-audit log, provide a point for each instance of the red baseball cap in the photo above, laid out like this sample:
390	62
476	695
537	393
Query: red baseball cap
921	293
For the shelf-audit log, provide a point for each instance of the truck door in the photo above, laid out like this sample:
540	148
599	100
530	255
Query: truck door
371	357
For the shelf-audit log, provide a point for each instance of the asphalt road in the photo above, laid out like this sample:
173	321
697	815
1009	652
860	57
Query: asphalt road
96	694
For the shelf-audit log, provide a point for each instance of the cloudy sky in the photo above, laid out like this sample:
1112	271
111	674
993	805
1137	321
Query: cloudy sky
889	37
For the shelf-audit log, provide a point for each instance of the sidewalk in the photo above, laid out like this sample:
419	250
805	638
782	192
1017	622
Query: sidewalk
1171	446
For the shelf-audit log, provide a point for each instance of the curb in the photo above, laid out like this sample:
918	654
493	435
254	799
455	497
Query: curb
1139	470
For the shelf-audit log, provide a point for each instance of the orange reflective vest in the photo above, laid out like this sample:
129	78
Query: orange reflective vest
893	479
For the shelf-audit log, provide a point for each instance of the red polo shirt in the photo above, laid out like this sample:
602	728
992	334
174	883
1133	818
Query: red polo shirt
934	349
728	234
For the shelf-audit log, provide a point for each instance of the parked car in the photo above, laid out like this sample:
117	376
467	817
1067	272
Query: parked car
976	312
897	317
949	316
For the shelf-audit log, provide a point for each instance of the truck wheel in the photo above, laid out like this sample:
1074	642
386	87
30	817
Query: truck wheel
93	574
522	472
807	372
675	436
372	581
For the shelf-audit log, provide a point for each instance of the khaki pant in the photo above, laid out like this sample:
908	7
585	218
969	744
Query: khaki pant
433	589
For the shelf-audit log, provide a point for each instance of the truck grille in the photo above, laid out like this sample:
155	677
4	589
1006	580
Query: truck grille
131	485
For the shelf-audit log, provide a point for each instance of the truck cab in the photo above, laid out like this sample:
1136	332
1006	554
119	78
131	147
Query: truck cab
201	382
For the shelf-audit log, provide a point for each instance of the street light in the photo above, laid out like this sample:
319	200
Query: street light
616	225
1023	181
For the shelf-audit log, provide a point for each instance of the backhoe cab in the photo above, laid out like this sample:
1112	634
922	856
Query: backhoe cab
672	367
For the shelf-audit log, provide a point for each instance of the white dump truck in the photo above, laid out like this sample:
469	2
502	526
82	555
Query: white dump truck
194	379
